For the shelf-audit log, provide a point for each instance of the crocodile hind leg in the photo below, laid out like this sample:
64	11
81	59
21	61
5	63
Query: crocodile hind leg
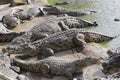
79	42
69	74
63	26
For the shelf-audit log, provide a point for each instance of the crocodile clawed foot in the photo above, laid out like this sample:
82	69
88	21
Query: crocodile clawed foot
95	23
79	42
45	70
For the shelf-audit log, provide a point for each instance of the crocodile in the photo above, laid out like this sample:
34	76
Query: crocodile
59	41
58	10
54	43
51	26
56	66
10	20
30	13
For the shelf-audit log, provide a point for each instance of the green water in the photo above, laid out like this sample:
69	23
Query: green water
107	10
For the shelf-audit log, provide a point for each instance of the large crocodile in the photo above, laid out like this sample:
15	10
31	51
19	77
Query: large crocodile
51	26
48	46
59	41
59	10
56	66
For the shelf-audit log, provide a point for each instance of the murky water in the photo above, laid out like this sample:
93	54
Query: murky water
107	11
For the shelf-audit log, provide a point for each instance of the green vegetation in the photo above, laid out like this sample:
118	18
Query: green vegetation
70	6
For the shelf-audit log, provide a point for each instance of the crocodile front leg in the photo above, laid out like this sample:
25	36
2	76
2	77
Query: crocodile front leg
79	42
47	52
69	74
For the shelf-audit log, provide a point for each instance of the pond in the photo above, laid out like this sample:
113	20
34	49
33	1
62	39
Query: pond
106	12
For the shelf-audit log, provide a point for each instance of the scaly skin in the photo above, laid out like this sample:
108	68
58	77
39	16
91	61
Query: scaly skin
52	44
7	37
56	66
51	26
59	10
59	41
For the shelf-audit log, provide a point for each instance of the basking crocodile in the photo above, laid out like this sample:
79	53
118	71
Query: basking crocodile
10	20
59	10
51	26
62	3
58	41
30	13
54	43
56	66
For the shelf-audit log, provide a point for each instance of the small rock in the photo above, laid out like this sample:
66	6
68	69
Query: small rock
15	68
22	77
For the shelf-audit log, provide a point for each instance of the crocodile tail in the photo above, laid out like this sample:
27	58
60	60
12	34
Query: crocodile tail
19	61
23	64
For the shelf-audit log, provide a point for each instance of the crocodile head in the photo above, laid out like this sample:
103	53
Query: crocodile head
111	63
78	23
86	62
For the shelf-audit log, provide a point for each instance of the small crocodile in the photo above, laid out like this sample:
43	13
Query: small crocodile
59	41
59	10
51	26
10	20
30	13
62	3
56	66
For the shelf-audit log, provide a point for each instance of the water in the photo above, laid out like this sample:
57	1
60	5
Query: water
107	11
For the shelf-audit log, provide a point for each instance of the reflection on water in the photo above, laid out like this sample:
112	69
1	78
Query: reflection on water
107	11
